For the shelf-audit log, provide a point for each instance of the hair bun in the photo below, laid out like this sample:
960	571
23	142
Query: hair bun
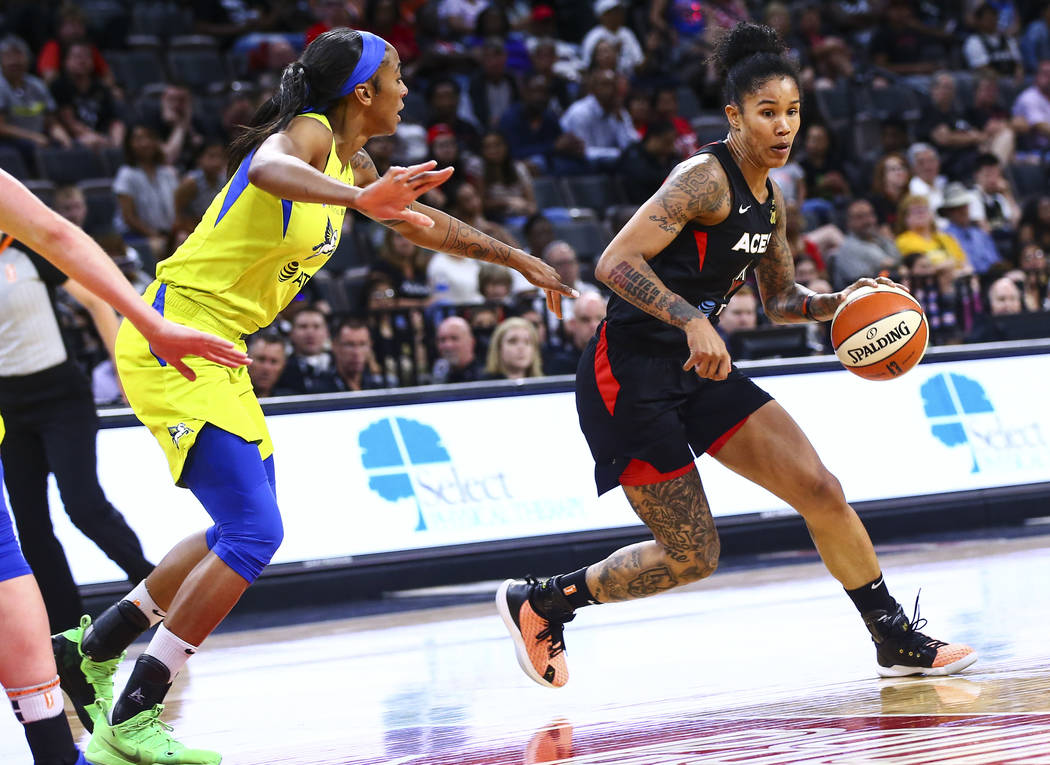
745	40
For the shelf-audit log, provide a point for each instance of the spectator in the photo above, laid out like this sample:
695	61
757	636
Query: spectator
807	270
126	258
740	313
460	16
919	235
562	258
588	313
612	15
145	189
506	186
445	149
455	345
268	354
453	280
514	352
329	14
534	134
926	180
1035	276
85	106
539	232
466	205
600	122
558	62
604	55
1035	223
645	164
944	124
494	283
865	251
989	48
990	116
443	104
405	263
384	18
355	364
310	368
492	88
175	121
994	205
494	24
889	184
975	241
1035	45
665	106
1031	115
826	183
903	44
381	150
27	110
200	186
1004	297
71	29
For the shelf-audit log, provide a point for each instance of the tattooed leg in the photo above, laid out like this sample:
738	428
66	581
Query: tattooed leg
684	549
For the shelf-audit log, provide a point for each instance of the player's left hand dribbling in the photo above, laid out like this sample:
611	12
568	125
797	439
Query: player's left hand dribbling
878	281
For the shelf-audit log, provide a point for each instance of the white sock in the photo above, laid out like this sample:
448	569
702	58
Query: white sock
140	598
37	702
170	649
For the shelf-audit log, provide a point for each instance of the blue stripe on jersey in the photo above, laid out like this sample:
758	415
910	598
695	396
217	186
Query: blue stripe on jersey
286	208
158	306
237	186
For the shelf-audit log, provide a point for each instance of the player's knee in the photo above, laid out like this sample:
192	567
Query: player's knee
822	492
700	563
249	547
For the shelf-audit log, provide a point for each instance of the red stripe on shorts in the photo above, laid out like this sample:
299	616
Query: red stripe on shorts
714	448
608	385
641	473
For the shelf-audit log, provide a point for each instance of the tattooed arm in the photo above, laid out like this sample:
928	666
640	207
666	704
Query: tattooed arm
783	299
451	235
698	190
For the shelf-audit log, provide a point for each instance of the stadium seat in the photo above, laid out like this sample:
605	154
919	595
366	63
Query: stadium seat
166	19
135	69
199	68
11	160
1029	178
63	166
597	192
688	104
588	237
710	128
549	192
101	203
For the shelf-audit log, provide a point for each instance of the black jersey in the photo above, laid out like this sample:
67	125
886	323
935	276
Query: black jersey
703	264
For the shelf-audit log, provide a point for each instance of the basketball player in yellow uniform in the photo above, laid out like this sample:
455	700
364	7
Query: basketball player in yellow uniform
272	226
27	667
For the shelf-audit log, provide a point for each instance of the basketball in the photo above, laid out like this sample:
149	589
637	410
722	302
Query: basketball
879	332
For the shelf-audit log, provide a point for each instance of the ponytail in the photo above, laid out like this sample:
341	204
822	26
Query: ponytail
313	83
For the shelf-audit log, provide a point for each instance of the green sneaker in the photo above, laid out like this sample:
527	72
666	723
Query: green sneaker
85	681
142	740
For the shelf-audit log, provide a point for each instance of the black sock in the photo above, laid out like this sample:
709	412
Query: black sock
574	587
873	596
114	631
147	686
51	742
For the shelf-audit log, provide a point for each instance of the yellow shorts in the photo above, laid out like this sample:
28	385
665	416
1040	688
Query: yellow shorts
172	407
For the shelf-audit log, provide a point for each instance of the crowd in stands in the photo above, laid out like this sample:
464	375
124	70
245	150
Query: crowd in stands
923	155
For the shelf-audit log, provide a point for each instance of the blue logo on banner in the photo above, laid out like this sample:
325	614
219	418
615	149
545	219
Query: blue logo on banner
390	448
950	400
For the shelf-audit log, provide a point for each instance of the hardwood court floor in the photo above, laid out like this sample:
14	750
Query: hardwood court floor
768	665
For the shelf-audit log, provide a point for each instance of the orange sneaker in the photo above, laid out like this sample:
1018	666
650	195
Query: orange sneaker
902	650
537	631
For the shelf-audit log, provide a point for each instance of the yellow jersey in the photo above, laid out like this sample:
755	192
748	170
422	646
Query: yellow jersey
252	251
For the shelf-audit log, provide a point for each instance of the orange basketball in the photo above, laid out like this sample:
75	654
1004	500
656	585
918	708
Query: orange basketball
879	333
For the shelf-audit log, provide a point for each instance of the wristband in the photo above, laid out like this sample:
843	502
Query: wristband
807	310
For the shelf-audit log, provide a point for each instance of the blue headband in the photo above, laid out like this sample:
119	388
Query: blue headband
373	49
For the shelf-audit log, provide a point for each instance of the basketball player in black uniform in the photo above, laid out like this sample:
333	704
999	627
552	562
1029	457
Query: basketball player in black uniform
645	414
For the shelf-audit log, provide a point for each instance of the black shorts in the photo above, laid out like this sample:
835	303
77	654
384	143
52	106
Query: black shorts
644	414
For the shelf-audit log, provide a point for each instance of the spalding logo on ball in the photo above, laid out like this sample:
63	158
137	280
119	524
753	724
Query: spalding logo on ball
879	332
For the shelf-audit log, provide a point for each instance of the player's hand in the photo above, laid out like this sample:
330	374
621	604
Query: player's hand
546	278
388	197
708	356
172	342
838	298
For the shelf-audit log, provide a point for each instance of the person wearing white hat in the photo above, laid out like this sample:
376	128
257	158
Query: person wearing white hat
611	15
975	241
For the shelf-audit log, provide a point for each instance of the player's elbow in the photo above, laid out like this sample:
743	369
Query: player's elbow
603	268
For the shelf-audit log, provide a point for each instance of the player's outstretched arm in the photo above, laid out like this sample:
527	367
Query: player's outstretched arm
451	235
696	190
29	220
288	165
